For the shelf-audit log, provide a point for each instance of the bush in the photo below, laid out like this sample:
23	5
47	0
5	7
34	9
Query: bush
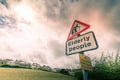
78	74
5	65
64	71
11	66
107	68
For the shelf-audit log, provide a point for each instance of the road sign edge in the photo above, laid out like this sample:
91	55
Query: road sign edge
85	50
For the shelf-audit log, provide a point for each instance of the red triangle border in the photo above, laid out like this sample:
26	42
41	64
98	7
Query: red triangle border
84	24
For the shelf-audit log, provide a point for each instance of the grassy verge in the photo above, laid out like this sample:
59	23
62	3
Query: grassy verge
28	74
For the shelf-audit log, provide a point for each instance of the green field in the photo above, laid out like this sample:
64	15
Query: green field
28	74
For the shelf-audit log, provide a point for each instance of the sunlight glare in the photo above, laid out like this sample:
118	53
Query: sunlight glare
24	11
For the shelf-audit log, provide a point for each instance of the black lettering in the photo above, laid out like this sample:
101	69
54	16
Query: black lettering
75	42
74	48
85	44
77	47
70	49
69	44
89	44
81	46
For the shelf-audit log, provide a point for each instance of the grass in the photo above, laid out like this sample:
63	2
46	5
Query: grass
28	74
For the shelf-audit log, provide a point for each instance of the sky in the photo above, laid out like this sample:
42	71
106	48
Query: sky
37	30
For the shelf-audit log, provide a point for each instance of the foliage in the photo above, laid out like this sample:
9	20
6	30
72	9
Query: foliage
106	68
78	74
64	71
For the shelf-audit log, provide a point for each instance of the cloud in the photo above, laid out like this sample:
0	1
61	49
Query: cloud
57	48
42	38
38	57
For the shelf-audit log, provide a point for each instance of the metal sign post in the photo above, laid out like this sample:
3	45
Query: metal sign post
85	72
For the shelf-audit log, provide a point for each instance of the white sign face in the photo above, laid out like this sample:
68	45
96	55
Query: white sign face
82	43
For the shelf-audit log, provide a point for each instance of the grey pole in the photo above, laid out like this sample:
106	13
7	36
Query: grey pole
85	72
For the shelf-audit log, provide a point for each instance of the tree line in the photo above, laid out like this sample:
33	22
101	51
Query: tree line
10	63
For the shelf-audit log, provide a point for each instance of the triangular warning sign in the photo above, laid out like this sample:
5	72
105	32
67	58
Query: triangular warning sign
77	28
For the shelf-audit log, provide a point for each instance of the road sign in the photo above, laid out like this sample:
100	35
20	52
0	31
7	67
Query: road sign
77	43
82	43
85	62
77	28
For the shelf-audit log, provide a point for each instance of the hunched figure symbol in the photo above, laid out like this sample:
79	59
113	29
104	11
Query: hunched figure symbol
75	29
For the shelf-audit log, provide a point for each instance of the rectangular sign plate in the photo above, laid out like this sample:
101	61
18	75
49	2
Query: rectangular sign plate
85	42
85	62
